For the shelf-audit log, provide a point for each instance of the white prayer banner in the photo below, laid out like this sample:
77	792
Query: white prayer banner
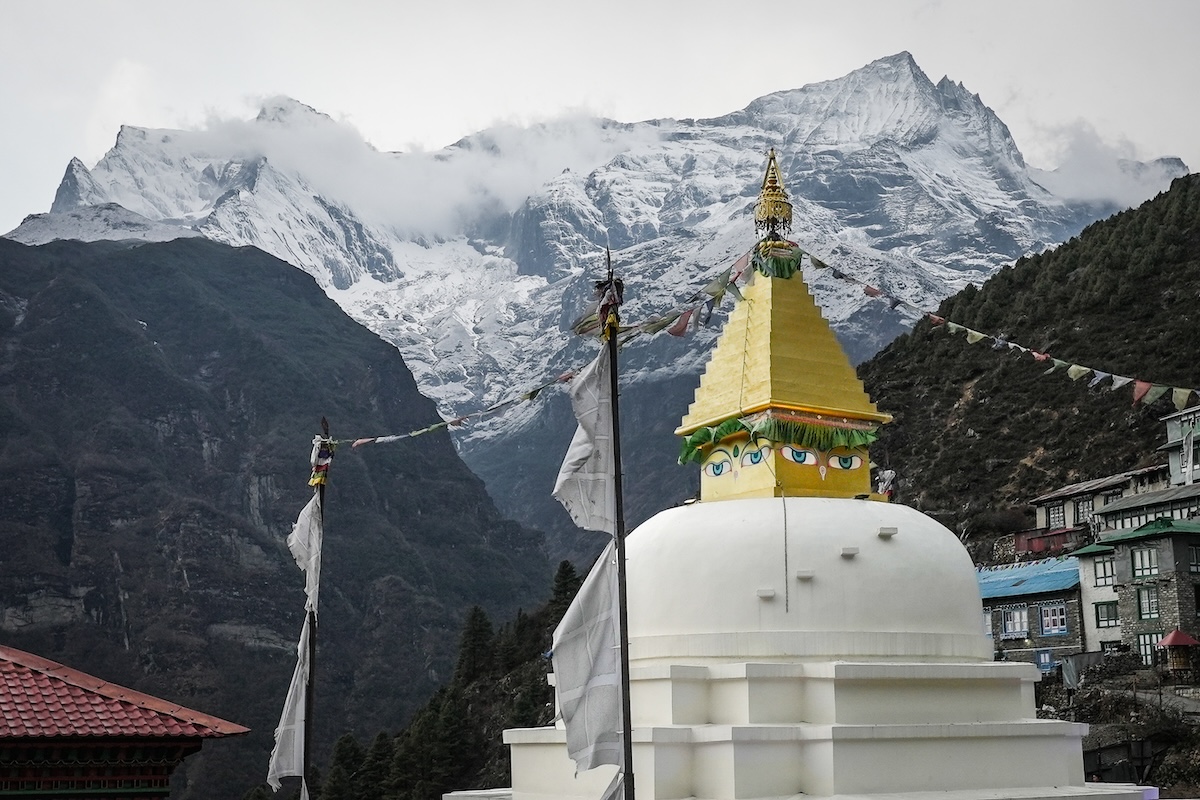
587	668
287	758
586	484
305	544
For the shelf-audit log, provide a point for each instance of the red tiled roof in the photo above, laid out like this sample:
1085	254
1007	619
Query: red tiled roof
40	698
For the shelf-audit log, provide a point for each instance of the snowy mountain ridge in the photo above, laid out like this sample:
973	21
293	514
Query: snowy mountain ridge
473	260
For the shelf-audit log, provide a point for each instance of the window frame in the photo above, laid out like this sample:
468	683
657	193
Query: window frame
1054	610
1110	563
1058	510
1106	621
1009	619
1149	565
1194	558
1146	644
1147	602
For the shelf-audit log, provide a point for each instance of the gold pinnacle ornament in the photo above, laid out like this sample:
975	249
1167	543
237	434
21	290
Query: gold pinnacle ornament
773	214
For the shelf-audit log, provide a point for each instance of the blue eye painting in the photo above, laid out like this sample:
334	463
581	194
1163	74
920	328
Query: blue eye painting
753	457
845	462
715	469
806	458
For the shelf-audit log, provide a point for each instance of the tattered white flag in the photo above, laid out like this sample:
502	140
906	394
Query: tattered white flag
287	758
305	544
587	668
586	484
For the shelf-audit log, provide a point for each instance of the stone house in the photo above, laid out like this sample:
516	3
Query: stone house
1032	610
1138	584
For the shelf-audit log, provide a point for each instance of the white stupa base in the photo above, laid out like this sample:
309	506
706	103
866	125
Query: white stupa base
963	731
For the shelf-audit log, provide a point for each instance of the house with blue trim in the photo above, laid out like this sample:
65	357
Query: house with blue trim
1032	610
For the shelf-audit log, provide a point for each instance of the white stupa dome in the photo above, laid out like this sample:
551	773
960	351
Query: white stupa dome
800	578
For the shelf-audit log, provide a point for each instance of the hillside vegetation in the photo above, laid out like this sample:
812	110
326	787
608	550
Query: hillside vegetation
978	432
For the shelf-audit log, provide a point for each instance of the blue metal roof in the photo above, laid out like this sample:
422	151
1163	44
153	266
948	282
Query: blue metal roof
1030	577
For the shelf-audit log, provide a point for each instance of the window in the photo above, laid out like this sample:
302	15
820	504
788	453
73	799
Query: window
1106	569
1106	615
1083	510
1145	646
987	622
1194	558
1054	619
1014	623
1056	516
1145	562
1147	602
1113	646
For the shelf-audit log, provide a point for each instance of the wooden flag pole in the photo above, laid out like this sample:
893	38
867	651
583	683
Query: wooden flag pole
611	327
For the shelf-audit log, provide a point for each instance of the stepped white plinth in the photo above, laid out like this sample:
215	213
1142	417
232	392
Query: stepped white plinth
784	648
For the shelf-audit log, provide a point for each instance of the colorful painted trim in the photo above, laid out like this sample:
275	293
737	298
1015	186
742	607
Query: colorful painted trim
777	258
824	434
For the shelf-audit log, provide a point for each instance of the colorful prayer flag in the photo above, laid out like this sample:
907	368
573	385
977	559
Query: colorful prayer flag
974	336
1140	388
322	454
1180	398
1075	372
680	327
1155	392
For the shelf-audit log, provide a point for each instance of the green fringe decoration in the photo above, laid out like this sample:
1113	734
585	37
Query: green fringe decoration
800	434
777	266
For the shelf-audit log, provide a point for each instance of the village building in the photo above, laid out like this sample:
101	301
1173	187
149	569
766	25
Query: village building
1141	583
67	735
1066	518
1032	610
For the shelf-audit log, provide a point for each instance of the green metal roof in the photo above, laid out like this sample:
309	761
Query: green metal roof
1093	550
1163	526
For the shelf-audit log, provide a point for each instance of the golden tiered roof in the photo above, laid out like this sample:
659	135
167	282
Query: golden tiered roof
778	352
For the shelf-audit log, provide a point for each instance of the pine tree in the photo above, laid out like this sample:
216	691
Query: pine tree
475	647
344	766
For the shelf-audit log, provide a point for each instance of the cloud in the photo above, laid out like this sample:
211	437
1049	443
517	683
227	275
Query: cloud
1091	169
419	193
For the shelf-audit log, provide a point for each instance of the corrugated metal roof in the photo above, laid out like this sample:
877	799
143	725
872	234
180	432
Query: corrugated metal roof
1095	484
40	698
1030	577
1150	499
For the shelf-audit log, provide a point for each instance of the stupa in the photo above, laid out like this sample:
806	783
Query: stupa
793	634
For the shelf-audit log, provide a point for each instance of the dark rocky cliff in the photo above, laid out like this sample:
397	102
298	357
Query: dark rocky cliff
157	404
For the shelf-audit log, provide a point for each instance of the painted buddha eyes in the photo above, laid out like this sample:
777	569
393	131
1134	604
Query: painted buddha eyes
715	469
753	457
806	458
845	462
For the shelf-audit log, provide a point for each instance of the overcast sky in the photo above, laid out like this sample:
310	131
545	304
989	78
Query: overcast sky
1065	75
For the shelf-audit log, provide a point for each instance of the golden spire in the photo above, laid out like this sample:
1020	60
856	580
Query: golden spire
779	410
773	213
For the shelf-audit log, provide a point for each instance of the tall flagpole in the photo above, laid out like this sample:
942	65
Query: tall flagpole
611	328
310	688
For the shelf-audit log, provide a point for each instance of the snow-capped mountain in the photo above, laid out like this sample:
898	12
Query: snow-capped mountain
473	260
